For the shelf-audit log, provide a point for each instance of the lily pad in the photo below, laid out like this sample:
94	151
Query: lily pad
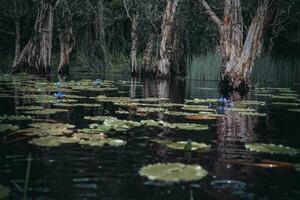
198	108
181	126
15	118
102	142
294	110
4	192
184	145
29	108
53	141
8	128
48	111
271	148
173	172
254	114
201	101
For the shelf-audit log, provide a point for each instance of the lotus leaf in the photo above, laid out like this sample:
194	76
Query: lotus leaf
15	117
4	192
173	172
48	111
271	148
45	129
99	118
286	104
282	97
201	117
8	127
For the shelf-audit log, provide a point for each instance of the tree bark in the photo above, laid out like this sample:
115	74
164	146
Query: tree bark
36	55
134	43
164	62
67	41
100	34
148	55
238	55
18	41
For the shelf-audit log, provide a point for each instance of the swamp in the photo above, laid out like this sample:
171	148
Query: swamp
159	99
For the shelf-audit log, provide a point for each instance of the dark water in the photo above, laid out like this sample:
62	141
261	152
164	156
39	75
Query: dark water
81	172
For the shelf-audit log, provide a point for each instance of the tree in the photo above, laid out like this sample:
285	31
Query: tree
134	18
66	37
238	55
164	62
36	55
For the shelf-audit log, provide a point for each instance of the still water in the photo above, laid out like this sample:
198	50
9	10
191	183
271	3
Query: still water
73	171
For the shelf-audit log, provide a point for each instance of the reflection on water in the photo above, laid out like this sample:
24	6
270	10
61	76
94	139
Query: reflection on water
78	172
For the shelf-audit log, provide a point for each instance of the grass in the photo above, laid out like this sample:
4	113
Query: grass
266	69
204	67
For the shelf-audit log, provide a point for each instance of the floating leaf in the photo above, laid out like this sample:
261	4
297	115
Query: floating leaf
271	148
182	145
254	114
201	117
29	108
48	111
182	126
198	108
53	141
242	109
294	110
251	103
103	142
15	118
8	128
201	101
173	172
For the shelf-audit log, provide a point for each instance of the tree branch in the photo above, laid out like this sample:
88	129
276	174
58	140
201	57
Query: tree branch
211	13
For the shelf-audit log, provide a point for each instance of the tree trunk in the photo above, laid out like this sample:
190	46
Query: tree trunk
148	55
100	35
238	55
134	42
164	62
67	42
36	55
18	41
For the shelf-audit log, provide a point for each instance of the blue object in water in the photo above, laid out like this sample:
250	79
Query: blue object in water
98	81
59	95
58	84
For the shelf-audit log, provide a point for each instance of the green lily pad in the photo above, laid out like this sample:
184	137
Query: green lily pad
173	172
271	148
102	142
8	128
53	141
251	103
48	111
242	109
4	192
181	126
29	108
286	104
201	101
48	129
15	118
198	108
184	145
254	114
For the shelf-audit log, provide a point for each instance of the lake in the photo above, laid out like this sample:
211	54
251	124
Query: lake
90	136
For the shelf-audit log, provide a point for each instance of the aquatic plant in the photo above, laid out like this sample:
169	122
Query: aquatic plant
254	114
184	145
271	148
53	141
59	95
15	118
102	142
181	126
196	101
29	108
173	172
197	108
8	128
48	111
